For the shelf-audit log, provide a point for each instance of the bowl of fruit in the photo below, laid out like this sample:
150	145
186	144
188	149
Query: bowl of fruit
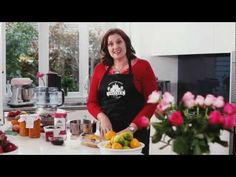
120	144
6	147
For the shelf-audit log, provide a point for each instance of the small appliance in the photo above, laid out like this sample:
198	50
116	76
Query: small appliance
49	98
22	92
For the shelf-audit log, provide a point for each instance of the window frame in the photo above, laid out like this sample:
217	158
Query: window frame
2	69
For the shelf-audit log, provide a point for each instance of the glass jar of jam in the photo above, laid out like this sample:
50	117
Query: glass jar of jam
23	131
35	131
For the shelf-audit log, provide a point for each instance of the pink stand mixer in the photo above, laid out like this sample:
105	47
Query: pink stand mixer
22	92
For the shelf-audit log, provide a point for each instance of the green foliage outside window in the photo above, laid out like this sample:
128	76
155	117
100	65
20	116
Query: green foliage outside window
21	50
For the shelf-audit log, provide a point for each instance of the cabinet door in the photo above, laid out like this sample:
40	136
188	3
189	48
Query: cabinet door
200	38
182	38
224	37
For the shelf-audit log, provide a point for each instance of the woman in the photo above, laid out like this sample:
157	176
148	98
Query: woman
120	87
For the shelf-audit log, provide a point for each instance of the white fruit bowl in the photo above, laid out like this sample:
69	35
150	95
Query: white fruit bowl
108	151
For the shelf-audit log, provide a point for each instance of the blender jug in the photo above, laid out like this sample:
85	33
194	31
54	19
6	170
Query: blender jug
49	97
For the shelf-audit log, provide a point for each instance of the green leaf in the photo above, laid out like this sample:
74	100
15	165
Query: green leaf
157	126
199	136
156	137
197	150
180	145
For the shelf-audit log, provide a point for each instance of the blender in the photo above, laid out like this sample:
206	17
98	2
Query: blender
49	98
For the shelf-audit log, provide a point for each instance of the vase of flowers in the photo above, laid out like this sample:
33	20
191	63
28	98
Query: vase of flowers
192	124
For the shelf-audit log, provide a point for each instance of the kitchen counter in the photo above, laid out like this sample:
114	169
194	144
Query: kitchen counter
6	108
38	146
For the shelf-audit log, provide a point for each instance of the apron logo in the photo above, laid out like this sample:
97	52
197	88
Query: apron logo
115	89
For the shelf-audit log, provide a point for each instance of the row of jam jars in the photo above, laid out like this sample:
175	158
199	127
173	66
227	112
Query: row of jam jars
30	125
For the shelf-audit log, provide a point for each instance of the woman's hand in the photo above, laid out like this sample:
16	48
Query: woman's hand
105	123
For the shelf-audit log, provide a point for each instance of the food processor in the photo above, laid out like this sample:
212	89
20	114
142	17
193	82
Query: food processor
49	98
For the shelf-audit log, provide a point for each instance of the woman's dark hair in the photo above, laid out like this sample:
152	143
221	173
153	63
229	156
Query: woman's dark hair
105	56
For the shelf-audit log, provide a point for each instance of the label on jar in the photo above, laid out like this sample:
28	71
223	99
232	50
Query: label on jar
60	123
30	120
59	127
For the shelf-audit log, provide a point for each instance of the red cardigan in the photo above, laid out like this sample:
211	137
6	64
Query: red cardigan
144	80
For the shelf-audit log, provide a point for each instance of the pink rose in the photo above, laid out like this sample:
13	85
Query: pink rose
168	98
229	122
215	118
154	97
188	100
219	102
189	103
144	122
209	100
187	96
199	100
162	106
229	109
176	118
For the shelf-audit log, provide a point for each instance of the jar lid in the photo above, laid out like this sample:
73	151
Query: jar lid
60	114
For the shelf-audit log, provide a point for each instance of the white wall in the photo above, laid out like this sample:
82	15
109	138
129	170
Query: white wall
165	68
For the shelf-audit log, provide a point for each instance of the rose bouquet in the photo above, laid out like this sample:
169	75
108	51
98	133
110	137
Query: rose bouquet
193	123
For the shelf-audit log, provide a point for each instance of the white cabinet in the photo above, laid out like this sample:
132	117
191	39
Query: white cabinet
152	39
200	38
224	37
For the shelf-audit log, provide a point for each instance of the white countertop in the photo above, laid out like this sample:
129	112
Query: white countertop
37	146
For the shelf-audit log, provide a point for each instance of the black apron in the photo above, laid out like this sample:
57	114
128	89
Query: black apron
121	102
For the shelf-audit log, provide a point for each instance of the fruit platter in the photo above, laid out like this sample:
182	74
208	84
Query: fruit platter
120	144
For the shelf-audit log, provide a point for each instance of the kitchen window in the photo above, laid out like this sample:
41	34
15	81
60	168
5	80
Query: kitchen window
70	49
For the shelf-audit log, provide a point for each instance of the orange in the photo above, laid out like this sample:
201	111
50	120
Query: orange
116	146
109	135
112	140
134	143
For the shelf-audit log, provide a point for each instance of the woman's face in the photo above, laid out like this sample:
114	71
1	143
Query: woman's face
116	46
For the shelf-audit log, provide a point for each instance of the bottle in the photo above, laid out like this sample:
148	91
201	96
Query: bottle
98	128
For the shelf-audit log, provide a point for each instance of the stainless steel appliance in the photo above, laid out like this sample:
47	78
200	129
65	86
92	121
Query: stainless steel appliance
163	85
